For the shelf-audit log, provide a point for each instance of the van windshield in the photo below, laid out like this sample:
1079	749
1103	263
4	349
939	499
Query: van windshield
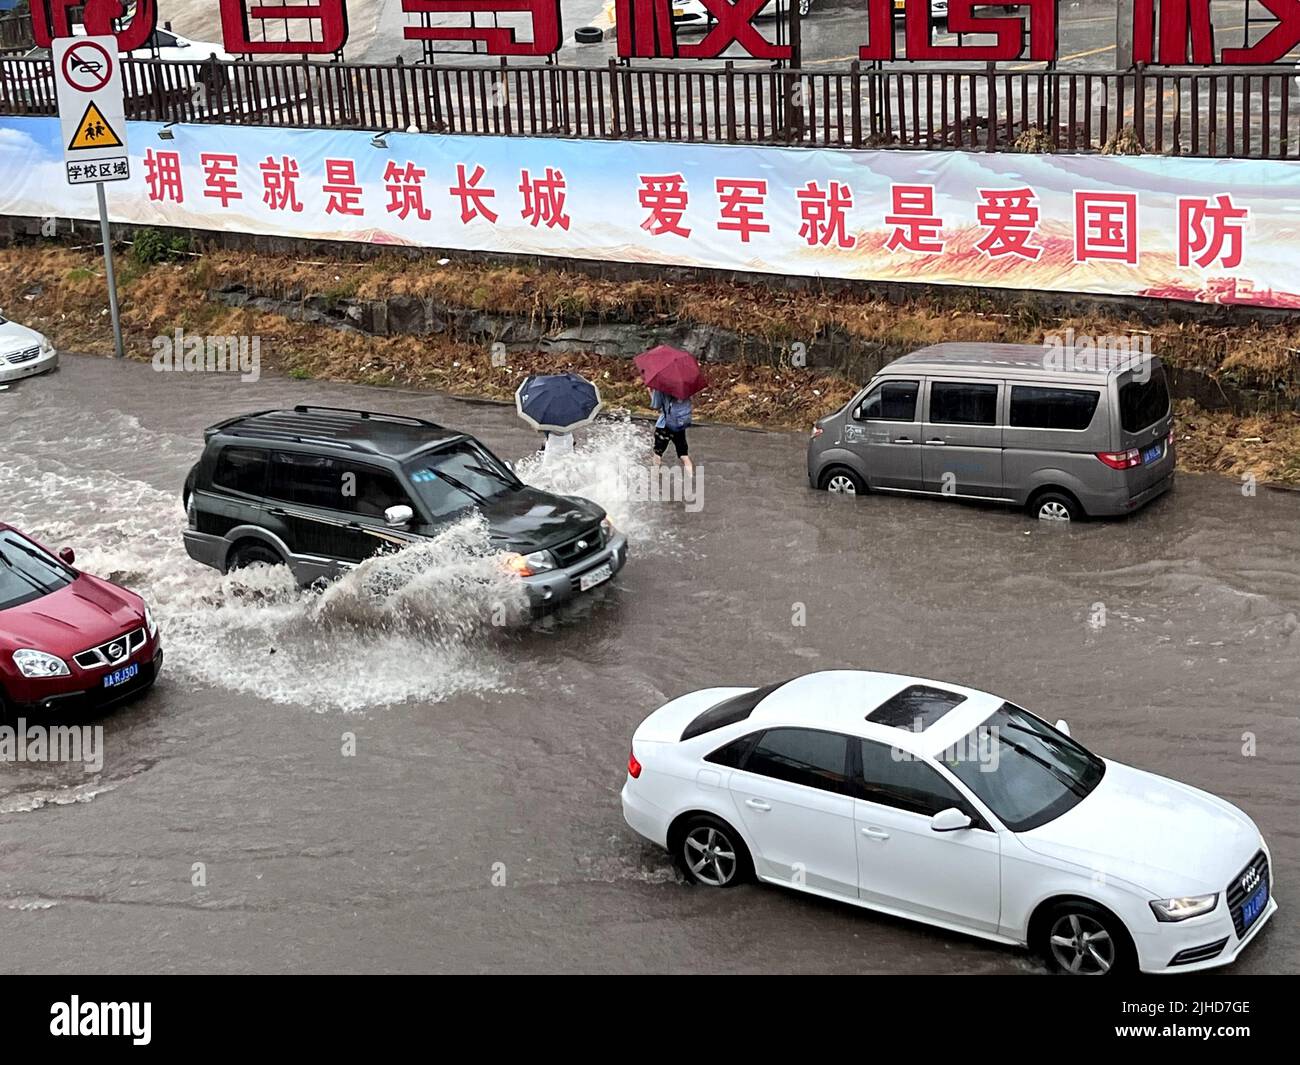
1143	403
460	476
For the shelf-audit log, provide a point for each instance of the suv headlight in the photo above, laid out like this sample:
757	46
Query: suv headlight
527	565
1181	909
33	663
151	626
607	529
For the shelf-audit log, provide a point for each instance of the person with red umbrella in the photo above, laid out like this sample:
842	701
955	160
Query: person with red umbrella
673	377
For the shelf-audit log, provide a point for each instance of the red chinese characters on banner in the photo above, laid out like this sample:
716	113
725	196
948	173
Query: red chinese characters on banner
317	28
219	170
916	226
1210	231
280	183
665	197
162	174
341	187
823	214
472	196
405	187
1105	227
498	40
738	199
1010	216
55	18
543	199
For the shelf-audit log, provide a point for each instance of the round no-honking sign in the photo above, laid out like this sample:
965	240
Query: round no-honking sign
87	66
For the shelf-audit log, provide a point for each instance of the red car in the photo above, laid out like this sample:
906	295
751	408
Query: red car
68	639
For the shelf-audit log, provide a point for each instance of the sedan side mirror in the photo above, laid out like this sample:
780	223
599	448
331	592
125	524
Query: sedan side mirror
68	555
399	517
949	820
1062	727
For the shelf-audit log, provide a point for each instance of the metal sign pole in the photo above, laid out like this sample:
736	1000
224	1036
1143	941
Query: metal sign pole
118	349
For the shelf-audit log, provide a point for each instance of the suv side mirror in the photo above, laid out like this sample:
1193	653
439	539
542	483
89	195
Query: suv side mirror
399	517
949	820
1062	727
68	555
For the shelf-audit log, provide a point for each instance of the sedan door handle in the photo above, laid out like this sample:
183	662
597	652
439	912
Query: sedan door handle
757	804
278	512
937	442
875	833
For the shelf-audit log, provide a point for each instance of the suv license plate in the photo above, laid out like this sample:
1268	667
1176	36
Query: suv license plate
597	576
1153	454
121	676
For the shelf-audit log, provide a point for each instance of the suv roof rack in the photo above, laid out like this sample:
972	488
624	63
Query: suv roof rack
365	415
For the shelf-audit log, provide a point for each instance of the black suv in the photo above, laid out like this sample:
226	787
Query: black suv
320	489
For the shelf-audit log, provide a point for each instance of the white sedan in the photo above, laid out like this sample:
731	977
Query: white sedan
692	14
24	352
953	807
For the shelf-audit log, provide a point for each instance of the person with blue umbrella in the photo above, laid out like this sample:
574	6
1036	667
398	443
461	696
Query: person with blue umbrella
557	404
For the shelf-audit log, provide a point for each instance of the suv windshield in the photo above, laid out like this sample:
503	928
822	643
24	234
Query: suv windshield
27	572
1034	774
462	475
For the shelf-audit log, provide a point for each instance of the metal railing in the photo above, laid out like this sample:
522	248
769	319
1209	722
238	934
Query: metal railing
1239	112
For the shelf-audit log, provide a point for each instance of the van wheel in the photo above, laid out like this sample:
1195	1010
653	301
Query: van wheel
250	554
842	481
1056	506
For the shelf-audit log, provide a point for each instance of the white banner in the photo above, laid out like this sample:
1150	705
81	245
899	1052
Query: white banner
1210	230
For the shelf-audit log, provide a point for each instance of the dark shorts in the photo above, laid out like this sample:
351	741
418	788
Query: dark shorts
678	439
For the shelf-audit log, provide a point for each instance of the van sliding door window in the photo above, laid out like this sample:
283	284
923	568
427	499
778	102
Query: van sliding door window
963	403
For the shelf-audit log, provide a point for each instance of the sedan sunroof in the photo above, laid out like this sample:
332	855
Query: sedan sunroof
916	707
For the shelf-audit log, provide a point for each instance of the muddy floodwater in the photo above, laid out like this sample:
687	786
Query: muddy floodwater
477	826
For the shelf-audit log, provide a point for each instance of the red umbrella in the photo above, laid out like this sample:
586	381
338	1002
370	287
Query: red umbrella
672	371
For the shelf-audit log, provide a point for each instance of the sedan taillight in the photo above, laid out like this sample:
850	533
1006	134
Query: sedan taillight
1121	460
633	766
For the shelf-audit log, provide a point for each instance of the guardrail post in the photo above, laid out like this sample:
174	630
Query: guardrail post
855	104
731	101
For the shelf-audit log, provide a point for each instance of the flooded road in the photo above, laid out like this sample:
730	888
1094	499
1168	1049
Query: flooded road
477	826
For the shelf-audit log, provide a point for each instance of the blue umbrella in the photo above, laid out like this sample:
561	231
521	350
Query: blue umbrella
558	402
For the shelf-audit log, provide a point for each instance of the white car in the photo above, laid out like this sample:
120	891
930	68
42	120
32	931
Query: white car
692	14
953	807
24	352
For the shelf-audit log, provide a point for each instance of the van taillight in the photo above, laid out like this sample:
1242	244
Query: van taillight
1121	460
817	431
633	766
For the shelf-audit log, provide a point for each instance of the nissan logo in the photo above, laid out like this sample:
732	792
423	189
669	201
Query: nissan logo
1250	879
115	650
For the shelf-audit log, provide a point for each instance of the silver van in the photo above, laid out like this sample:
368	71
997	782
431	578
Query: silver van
997	422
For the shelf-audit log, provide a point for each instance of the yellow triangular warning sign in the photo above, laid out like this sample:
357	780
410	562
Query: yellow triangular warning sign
93	131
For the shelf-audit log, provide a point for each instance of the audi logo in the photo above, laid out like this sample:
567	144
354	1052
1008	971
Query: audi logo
1250	879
